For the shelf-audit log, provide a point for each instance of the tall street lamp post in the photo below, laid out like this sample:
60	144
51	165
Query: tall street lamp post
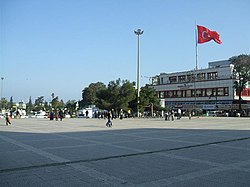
1	93
138	32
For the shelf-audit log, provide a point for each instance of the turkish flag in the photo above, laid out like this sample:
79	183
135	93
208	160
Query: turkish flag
205	35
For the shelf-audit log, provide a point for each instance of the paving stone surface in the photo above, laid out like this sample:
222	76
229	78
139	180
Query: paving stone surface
205	151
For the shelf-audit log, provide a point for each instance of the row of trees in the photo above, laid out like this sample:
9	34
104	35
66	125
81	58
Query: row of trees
119	94
39	104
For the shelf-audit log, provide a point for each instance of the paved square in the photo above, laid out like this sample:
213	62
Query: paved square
206	151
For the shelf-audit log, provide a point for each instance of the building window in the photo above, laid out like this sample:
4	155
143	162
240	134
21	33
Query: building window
212	75
214	91
203	92
174	93
173	79
182	78
220	92
167	94
199	93
209	92
170	94
188	93
161	94
179	93
193	93
190	78
201	76
184	93
226	92
161	80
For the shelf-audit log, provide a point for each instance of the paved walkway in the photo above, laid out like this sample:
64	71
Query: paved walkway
134	152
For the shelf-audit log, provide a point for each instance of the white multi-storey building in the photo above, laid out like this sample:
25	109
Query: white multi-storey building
204	89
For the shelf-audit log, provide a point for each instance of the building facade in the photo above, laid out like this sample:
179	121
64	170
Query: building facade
203	89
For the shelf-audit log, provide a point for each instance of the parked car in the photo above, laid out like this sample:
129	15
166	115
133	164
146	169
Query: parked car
217	114
39	114
211	113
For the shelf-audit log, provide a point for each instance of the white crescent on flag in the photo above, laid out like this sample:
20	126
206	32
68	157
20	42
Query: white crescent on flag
205	35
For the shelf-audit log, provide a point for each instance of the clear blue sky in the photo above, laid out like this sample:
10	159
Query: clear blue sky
61	46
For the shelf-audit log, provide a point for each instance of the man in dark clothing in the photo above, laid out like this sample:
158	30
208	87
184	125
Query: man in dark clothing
60	114
109	122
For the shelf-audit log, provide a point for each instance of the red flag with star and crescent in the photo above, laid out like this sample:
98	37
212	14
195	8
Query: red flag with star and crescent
205	35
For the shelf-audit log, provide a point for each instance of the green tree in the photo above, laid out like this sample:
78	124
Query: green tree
121	93
10	104
103	100
114	91
57	104
52	96
89	94
241	73
61	104
39	103
149	99
4	103
71	106
117	95
127	94
29	106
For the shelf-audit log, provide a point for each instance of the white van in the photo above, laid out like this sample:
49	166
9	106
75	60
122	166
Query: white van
82	113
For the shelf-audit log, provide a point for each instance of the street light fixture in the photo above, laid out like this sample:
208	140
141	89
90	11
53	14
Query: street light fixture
138	32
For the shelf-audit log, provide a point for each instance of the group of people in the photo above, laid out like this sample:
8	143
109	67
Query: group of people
170	115
56	115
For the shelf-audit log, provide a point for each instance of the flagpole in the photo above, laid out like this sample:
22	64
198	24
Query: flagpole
196	48
196	66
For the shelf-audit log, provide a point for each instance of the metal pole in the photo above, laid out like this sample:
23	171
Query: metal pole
196	50
138	77
196	66
1	93
138	33
240	94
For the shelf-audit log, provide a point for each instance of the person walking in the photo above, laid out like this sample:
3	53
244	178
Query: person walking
60	114
87	114
109	122
8	119
167	116
121	114
172	115
51	116
189	115
179	113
